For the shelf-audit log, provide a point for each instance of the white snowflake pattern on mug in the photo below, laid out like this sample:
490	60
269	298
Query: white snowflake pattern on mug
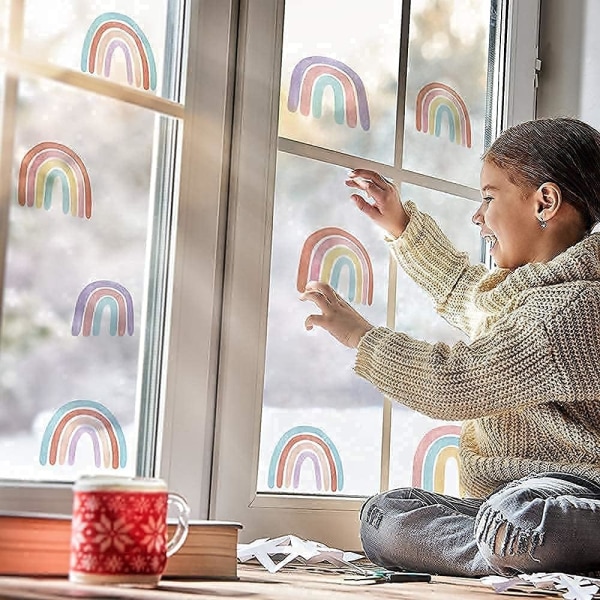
155	530
112	533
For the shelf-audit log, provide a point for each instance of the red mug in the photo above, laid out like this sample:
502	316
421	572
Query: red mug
119	530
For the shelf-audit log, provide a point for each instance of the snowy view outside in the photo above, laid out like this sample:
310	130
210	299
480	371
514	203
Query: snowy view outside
66	365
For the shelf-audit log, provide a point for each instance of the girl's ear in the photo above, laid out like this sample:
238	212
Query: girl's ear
548	200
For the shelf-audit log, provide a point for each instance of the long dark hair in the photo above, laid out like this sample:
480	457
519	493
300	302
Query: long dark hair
561	150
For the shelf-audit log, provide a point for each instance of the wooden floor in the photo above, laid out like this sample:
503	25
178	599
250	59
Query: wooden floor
255	583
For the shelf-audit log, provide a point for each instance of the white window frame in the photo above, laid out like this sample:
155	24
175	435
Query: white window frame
239	405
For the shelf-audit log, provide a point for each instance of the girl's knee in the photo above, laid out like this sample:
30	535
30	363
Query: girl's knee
510	528
373	508
507	541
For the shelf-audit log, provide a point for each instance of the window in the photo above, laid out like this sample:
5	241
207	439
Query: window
102	133
243	169
415	92
84	204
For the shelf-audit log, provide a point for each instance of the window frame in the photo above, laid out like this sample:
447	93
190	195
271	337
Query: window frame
239	404
181	392
210	411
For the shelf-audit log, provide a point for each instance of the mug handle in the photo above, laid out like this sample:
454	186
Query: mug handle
182	523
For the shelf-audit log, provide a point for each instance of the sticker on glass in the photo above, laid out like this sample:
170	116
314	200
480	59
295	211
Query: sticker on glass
439	104
299	445
336	257
313	75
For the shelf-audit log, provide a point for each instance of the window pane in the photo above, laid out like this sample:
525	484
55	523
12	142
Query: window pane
446	89
318	417
321	425
126	41
340	76
75	283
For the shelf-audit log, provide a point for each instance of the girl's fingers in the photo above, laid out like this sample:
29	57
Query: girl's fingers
322	294
365	207
375	178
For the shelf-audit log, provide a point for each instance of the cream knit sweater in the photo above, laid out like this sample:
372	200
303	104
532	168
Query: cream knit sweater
527	386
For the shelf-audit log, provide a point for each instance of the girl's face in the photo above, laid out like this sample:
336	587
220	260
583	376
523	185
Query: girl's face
507	218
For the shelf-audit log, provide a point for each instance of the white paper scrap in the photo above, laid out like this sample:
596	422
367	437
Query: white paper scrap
571	587
275	553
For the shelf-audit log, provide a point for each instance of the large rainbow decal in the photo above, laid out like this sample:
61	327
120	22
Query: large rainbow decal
312	75
327	254
92	301
437	447
84	417
113	30
436	100
42	166
298	445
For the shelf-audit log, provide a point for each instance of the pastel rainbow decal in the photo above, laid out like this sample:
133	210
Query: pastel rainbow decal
46	163
312	75
436	103
79	418
434	451
112	31
330	252
91	304
301	444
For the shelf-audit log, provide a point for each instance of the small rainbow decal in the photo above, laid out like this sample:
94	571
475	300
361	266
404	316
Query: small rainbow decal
42	166
298	445
74	419
113	30
330	251
437	447
312	75
92	301
436	100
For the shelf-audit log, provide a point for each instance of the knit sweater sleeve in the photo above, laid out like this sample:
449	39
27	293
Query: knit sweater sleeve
425	254
510	368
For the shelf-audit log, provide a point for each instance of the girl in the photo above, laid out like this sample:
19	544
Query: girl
526	387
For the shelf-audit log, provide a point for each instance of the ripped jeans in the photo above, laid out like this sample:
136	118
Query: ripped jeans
542	523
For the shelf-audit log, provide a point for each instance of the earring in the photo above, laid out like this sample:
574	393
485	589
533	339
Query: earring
543	223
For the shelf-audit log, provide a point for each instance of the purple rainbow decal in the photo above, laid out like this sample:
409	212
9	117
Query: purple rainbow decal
90	305
307	83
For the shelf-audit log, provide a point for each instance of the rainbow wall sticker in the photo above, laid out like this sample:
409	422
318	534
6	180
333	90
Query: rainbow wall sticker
298	445
74	420
312	75
112	31
436	101
437	447
91	304
330	251
47	162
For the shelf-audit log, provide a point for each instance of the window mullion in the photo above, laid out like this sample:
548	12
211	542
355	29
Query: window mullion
166	148
26	66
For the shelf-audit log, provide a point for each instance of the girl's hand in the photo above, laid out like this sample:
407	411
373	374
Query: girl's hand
387	210
338	317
